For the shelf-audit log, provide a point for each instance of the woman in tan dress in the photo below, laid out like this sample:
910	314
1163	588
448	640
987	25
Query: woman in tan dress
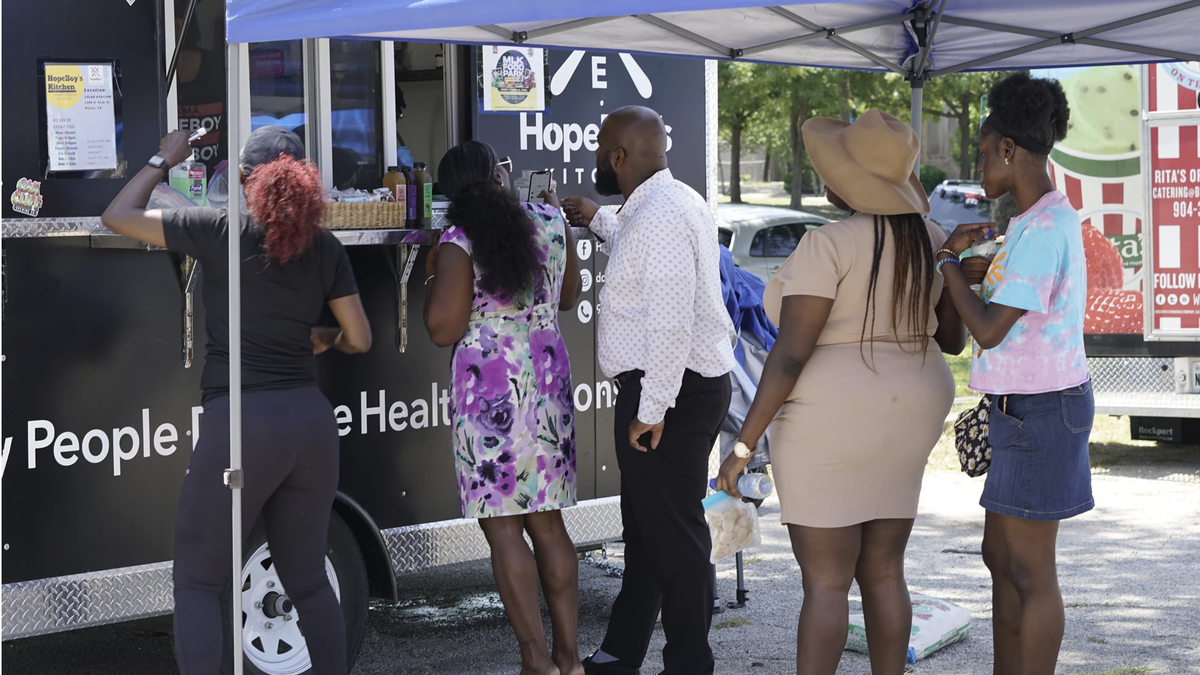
859	385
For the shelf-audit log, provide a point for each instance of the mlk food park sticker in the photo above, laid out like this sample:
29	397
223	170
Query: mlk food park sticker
27	198
516	79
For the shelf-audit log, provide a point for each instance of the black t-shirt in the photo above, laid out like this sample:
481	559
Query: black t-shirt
202	104
280	302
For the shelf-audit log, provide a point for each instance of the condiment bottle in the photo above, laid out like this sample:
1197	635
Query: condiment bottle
398	184
424	194
412	216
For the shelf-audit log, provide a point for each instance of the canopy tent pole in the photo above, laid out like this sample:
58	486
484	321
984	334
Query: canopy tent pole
1095	42
1077	37
233	475
832	35
825	33
915	111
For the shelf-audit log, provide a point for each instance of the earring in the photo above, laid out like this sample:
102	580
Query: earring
1005	161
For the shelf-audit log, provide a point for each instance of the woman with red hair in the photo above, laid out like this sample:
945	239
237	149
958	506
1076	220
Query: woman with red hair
291	270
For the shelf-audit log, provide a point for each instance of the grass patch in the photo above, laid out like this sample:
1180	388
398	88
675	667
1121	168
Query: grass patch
735	622
1099	641
1123	670
751	561
960	366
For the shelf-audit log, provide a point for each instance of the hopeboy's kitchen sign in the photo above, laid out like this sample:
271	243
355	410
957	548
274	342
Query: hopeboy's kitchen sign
584	87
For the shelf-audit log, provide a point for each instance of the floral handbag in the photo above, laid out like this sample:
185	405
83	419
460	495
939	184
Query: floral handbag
971	438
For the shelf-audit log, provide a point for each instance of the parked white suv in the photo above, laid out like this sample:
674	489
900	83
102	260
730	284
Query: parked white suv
955	202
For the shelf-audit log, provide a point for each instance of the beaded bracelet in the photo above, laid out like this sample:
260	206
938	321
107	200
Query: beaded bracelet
943	261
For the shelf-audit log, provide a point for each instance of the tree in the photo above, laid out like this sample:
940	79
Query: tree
799	93
958	97
742	92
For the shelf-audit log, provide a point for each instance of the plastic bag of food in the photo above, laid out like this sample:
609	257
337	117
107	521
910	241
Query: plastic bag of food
732	523
935	624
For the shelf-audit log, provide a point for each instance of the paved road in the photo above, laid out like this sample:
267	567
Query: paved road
1129	571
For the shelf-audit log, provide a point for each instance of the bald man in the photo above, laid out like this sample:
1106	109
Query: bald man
666	338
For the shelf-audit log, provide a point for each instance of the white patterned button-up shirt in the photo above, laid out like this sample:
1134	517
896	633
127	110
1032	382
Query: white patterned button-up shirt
661	309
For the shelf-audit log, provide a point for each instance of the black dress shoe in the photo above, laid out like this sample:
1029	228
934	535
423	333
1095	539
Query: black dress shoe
611	668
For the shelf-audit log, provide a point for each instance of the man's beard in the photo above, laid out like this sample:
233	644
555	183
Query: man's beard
607	184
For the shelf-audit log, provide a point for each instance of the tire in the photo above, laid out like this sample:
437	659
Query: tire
262	646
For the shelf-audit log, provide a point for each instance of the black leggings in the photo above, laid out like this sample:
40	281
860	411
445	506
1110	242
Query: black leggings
290	453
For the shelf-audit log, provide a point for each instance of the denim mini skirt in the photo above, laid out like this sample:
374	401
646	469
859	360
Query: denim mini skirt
1040	468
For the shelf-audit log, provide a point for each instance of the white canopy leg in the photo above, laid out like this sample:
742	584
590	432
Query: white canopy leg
233	477
918	100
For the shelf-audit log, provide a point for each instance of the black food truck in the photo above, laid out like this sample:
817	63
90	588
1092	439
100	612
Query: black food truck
101	357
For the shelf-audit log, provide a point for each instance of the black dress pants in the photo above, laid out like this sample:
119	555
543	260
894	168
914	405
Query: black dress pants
667	544
291	456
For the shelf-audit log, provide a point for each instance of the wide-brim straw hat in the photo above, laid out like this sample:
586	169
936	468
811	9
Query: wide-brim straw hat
869	163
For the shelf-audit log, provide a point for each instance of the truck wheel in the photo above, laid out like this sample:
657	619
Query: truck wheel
272	632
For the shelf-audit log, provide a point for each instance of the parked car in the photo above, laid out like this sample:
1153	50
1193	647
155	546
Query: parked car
762	237
955	202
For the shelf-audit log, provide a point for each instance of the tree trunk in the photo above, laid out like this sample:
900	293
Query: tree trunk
965	165
796	141
766	175
845	108
735	163
798	115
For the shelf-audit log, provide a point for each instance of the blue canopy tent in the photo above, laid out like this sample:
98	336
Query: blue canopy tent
918	40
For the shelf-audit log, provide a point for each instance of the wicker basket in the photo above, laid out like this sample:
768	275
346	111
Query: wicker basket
363	215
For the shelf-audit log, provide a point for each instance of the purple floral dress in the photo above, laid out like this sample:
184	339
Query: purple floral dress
514	414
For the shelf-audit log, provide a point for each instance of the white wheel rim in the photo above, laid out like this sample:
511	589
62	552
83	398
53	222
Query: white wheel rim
276	646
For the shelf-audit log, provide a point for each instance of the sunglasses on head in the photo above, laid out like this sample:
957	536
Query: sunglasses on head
507	163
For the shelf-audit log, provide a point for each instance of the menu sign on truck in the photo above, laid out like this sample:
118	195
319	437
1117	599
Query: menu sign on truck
1174	294
81	128
1175	200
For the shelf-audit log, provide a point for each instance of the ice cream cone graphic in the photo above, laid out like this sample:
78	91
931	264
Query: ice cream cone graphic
1099	167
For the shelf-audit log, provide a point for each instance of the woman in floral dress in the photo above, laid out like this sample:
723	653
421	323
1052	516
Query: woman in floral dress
495	285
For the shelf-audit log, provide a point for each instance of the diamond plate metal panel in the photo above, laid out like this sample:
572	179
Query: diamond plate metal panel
1139	386
421	547
19	228
83	600
16	228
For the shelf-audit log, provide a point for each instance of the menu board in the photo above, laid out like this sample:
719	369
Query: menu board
81	123
1175	199
1173	291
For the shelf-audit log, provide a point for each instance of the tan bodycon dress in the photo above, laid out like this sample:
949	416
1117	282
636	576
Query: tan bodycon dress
851	443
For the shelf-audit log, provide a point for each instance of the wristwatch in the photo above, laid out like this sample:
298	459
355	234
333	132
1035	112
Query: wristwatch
157	162
742	450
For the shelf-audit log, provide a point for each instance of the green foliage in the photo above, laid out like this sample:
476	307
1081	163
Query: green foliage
931	177
958	96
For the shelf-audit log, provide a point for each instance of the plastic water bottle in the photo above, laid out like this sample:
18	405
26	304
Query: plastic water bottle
984	248
752	485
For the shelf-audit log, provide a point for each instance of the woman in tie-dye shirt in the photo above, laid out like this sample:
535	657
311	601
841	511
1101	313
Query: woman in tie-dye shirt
1028	331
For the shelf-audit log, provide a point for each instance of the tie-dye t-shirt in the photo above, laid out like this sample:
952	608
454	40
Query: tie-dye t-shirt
1040	268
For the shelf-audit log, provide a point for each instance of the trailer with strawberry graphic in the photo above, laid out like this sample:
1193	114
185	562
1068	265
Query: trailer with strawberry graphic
1131	165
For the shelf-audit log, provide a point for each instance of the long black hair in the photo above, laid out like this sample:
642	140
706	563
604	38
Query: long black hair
911	284
500	230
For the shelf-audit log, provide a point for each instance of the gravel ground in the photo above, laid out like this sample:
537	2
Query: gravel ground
1128	571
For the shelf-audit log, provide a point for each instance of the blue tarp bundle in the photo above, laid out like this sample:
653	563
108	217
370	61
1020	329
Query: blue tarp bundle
743	300
756	335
